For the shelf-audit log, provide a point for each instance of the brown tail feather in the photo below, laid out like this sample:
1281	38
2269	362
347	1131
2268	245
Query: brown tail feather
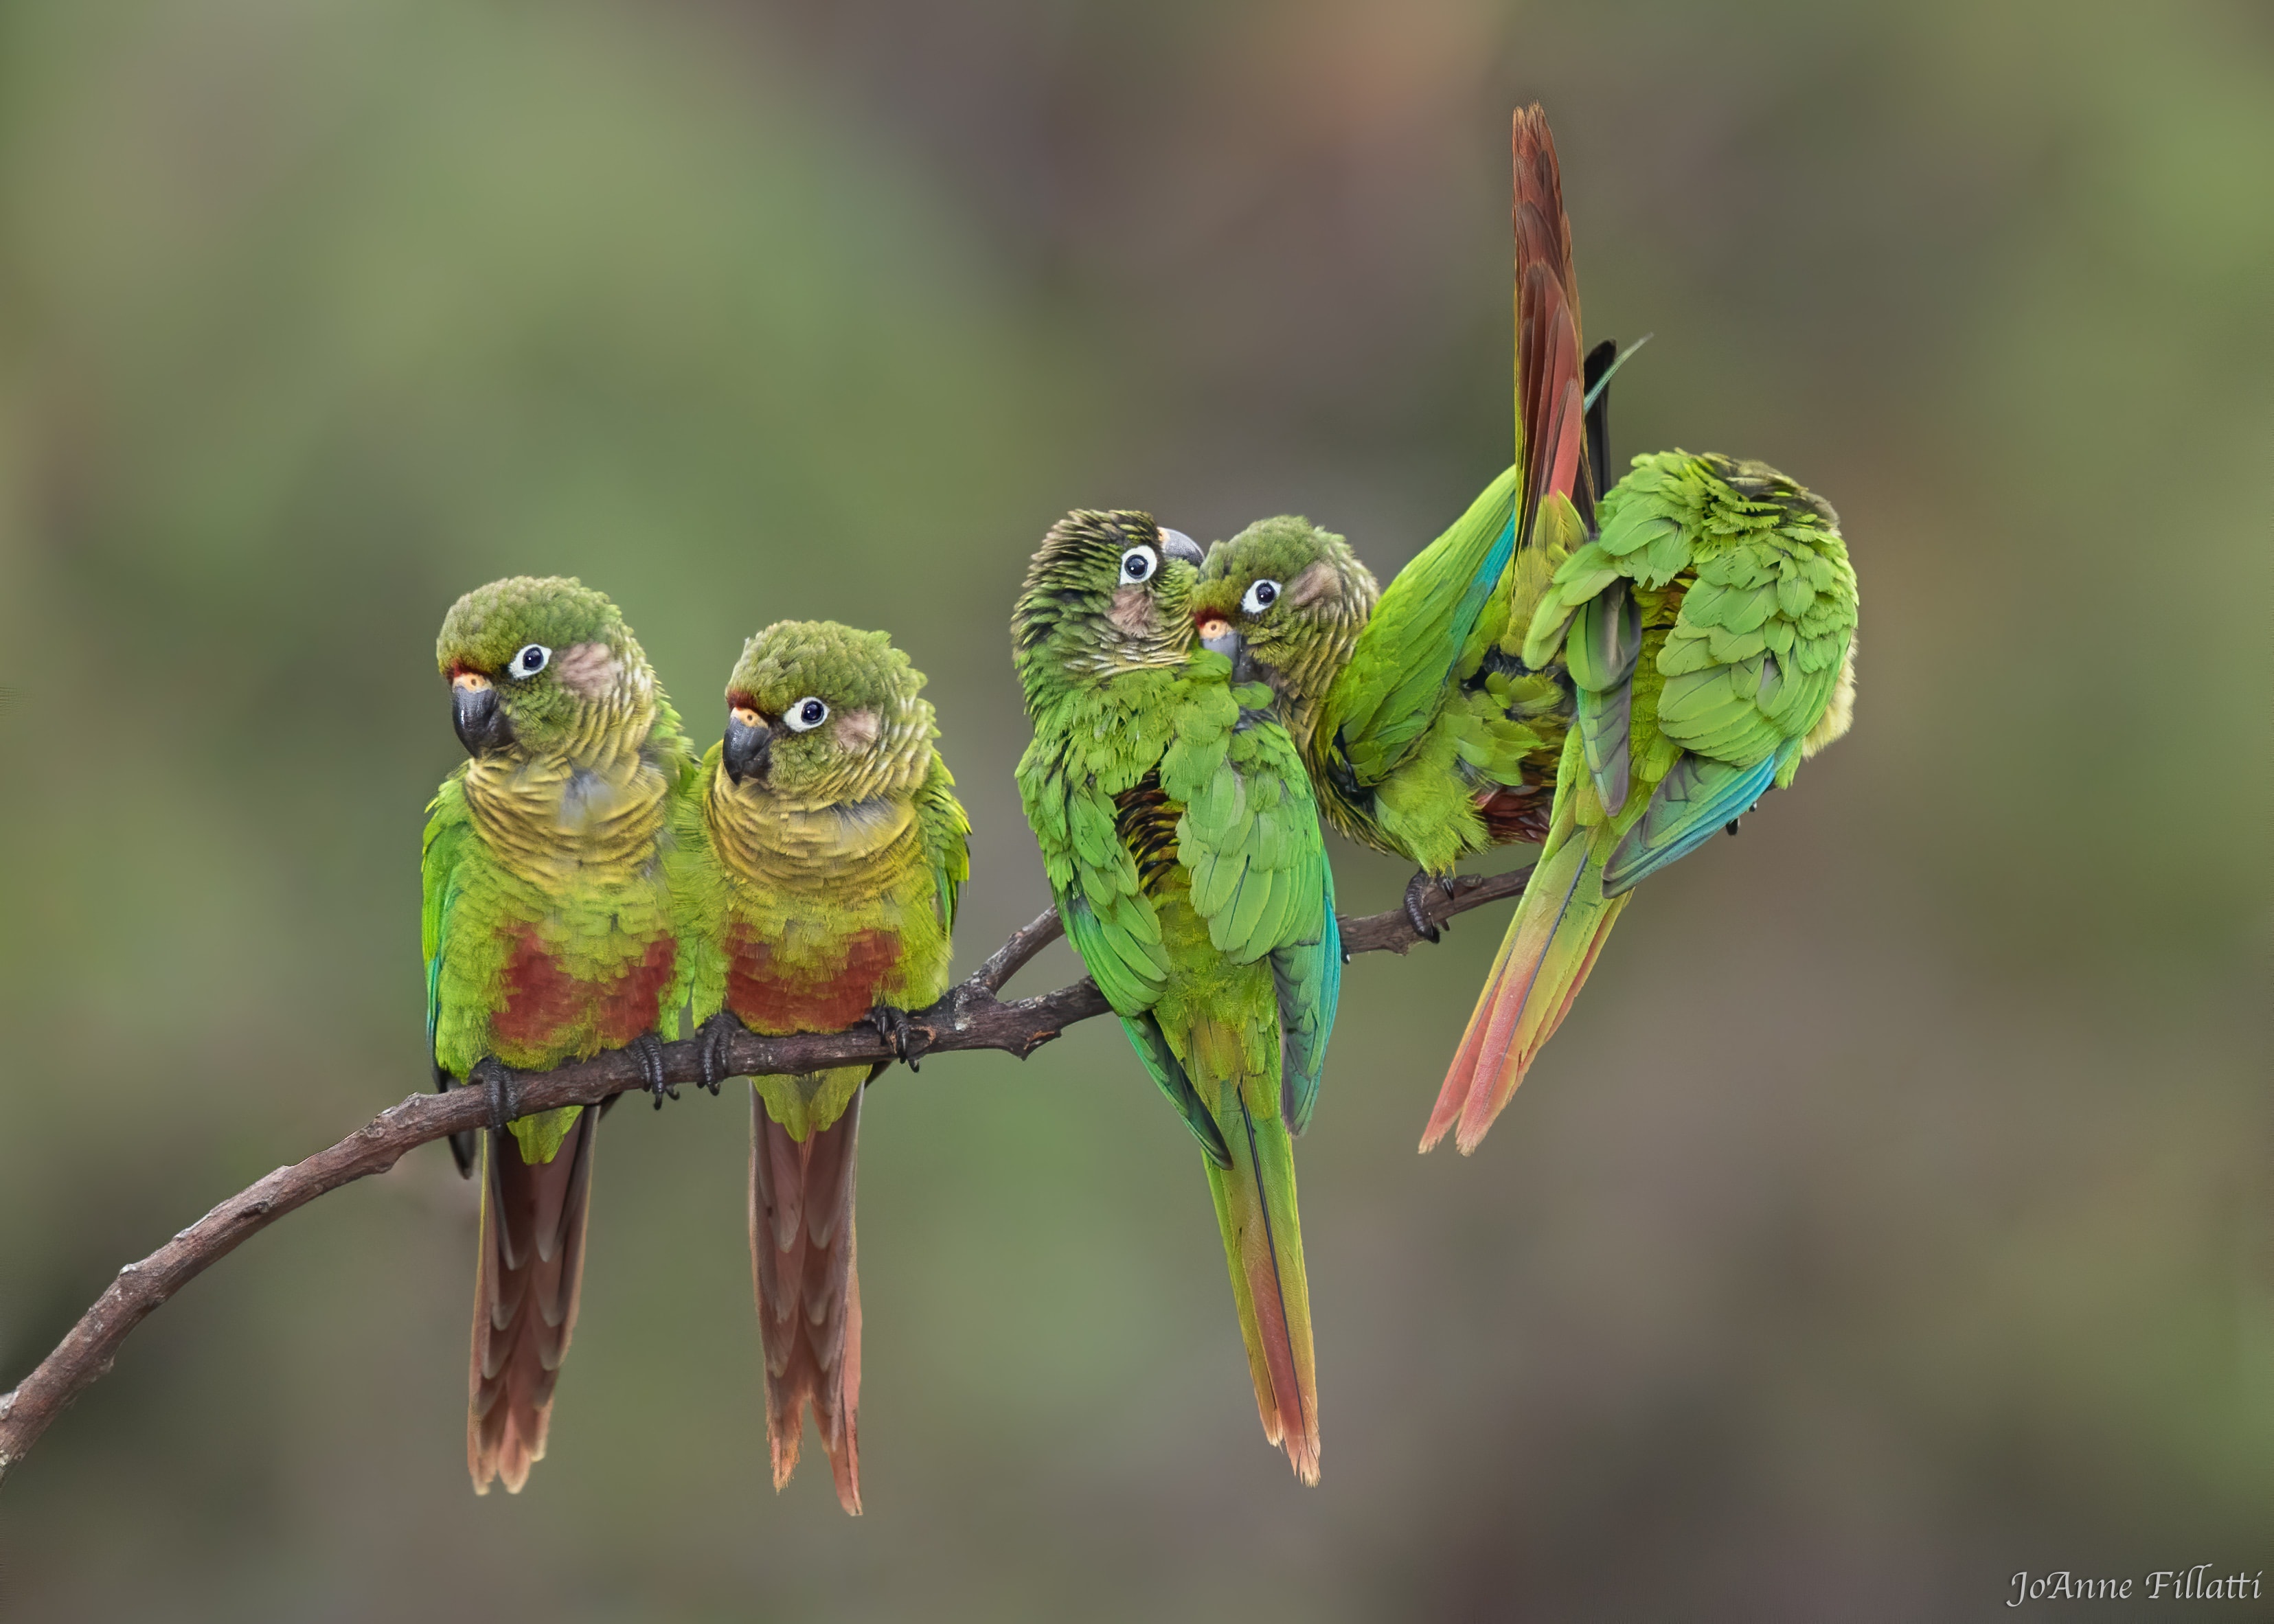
1550	391
808	1292
526	1286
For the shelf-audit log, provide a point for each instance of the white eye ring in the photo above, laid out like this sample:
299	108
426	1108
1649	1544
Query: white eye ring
532	659
806	714
1137	564
1260	596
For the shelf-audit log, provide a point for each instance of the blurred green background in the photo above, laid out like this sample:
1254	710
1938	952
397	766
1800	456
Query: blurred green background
1893	1212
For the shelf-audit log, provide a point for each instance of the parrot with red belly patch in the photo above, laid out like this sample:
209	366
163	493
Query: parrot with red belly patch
550	935
821	859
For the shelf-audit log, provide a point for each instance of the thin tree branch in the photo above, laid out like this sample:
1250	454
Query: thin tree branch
971	1016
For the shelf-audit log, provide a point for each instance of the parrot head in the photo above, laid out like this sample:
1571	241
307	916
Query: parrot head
540	664
822	715
1286	598
1107	592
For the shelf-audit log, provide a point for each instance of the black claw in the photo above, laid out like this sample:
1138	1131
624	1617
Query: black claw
715	1032
894	1026
1731	826
1415	889
496	1080
647	1049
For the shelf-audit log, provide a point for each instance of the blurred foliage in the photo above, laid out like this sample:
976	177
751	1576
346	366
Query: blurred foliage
1892	1213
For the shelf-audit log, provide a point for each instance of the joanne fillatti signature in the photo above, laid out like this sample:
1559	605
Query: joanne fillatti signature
2195	1583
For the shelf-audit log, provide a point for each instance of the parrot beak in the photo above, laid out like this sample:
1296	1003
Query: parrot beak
481	722
1176	545
1217	635
749	748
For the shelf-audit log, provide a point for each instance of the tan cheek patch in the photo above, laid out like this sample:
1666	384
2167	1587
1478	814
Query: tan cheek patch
857	730
1133	609
1313	584
588	670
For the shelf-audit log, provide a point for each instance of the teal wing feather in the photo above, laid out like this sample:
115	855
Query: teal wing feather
1309	977
1161	1063
1696	800
1393	686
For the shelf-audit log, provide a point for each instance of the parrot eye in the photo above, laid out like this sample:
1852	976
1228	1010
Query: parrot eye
1139	563
1260	596
806	713
529	662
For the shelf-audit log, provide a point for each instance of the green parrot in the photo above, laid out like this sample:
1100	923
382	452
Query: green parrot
821	861
1705	612
1426	732
1182	843
1711	630
549	934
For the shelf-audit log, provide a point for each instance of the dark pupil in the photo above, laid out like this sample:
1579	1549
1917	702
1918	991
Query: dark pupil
812	711
529	659
1266	592
1135	568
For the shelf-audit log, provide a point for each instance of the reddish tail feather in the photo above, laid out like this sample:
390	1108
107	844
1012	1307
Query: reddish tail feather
1550	390
526	1286
808	1291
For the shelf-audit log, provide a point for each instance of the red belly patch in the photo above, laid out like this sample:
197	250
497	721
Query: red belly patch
781	998
544	1004
1518	813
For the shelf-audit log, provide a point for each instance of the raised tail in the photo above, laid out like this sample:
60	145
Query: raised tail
808	1290
1552	942
526	1285
1263	1244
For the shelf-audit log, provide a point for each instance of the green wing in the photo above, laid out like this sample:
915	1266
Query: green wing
698	898
945	831
448	829
1249	838
1762	602
1386	696
1093	876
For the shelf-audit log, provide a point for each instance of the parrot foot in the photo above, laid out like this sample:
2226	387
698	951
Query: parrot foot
647	1049
1731	827
713	1033
463	1150
496	1080
1415	889
894	1026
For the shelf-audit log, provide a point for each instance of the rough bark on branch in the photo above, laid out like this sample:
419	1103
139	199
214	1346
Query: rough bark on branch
971	1016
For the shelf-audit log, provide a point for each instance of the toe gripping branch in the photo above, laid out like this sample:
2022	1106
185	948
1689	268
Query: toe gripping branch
647	1049
714	1034
908	1040
1417	891
502	1087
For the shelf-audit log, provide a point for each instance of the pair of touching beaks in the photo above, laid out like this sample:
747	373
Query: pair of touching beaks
1216	634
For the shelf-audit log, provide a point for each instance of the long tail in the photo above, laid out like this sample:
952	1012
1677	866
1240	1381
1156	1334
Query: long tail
1551	945
1263	1244
525	1290
808	1290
